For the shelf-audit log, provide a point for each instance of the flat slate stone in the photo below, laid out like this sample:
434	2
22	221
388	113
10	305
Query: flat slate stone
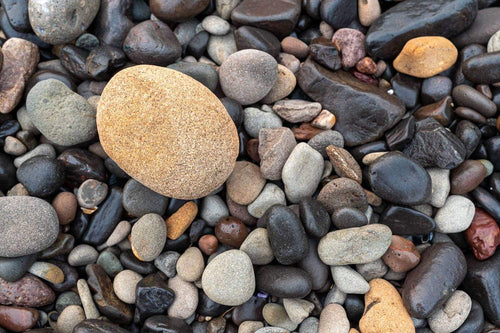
407	221
376	110
414	18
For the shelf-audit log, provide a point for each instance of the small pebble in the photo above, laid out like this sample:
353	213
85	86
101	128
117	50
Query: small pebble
124	285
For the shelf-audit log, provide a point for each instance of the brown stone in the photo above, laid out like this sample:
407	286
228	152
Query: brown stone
295	46
28	291
483	235
367	66
275	145
467	176
442	111
177	10
240	212
65	205
372	198
245	183
325	120
424	57
470	114
305	132
343	163
402	255
17	319
384	310
252	149
231	231
208	244
167	131
342	192
20	58
179	221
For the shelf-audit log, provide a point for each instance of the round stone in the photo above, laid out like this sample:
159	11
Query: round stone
333	319
124	285
247	76
257	246
71	316
229	278
65	204
452	314
82	255
177	10
41	176
245	183
215	25
348	280
494	42
456	215
190	265
285	83
91	193
61	21
181	142
231	231
148	237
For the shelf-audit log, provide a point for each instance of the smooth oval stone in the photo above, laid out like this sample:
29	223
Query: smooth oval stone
46	74
29	291
464	54
442	268
283	281
251	310
232	269
139	200
280	18
12	269
41	175
475	320
467	176
348	217
407	221
313	265
17	319
452	313
152	42
177	10
29	225
338	13
7	172
343	192
113	22
174	169
59	22
464	95
98	326
435	88
165	324
152	297
482	283
415	18
396	178
442	111
207	307
104	221
17	12
80	165
231	231
483	235
103	60
130	261
314	217
70	277
483	68
148	236
335	90
485	24
198	44
406	87
286	235
248	37
355	245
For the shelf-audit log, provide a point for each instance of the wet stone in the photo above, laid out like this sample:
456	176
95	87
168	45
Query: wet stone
292	282
152	297
407	221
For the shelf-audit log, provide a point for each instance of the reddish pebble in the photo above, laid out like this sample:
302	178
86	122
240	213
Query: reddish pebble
252	149
402	255
208	244
365	78
65	205
17	319
231	231
305	132
367	66
483	235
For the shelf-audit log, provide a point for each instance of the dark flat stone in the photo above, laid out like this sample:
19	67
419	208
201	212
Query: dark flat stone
407	221
248	37
484	68
485	24
283	281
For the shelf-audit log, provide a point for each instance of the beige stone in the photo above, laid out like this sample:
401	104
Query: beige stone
167	131
368	11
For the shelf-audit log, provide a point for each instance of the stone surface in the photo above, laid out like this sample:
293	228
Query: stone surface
314	217
148	236
402	255
258	247
337	13
441	186
29	291
343	163
190	265
283	281
275	145
177	10
152	297
384	310
354	245
464	95
271	195
124	285
452	314
213	208
234	270
59	22
29	225
485	24
41	176
483	235
376	110
178	222
284	85
348	280
219	48
138	200
343	192
333	319
257	119
69	318
416	18
455	216
276	315
248	37
120	114
17	319
82	255
296	110
352	45
245	183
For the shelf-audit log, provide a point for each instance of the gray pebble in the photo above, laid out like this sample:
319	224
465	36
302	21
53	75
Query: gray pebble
88	304
121	231
225	7
324	139
25	121
452	314
271	195
14	146
257	247
276	315
309	325
186	298
138	200
70	317
335	295
440	179
87	41
82	255
213	208
110	263
190	264
91	193
43	149
199	71
166	262
185	31
372	270
67	298
148	236
215	25
256	119
219	48
349	281
455	216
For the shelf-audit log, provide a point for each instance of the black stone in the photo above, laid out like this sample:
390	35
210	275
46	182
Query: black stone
165	324
312	264
207	307
309	35
98	326
464	95
469	134
178	245
338	13
105	219
251	310
103	60
283	281
12	269
196	230
466	53
63	245
324	52
140	11
114	168
441	269
495	184
401	135
354	307
484	26
248	37
7	172
475	320
483	68
130	261
198	44
41	175
487	201
74	60
398	179
375	112
493	147
81	165
360	151
234	109
70	277
79	224
10	127
348	217
314	217
407	88
434	146
407	221
280	18
152	297
312	8
113	22
482	283
435	88
17	12
415	18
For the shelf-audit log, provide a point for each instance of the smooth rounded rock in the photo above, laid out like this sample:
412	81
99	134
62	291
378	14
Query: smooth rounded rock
82	255
186	298
343	192
148	236
452	314
456	215
314	217
245	183
257	247
283	281
41	176
190	265
348	280
71	316
119	114
177	10
333	319
271	195
275	145
124	285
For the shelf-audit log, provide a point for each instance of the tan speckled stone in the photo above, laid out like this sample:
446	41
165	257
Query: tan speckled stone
167	131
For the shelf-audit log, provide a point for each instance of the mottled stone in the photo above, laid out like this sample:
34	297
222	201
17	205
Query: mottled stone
275	145
483	235
29	291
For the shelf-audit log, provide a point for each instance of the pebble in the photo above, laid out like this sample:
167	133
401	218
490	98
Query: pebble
314	217
91	193
225	7
396	178
29	225
343	163
402	255
355	245
250	326
349	281
121	231
352	45
284	85
257	119
190	265
153	296
325	139
215	25
342	192
302	172
29	291
201	72
456	215
372	270
271	195
112	126
440	179
324	120
71	316
110	263
219	48
17	319
283	281
43	149
167	263
483	235
66	299
333	319
124	285
368	11
138	200
275	146
65	205
82	255
247	76
41	176
289	61
208	244
178	222
484	25
494	42
466	96
467	176
296	110
148	236
245	183
51	106
276	315
297	309
12	269
256	245
384	310
338	13
452	314
213	208
88	305
442	268
14	146
47	271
